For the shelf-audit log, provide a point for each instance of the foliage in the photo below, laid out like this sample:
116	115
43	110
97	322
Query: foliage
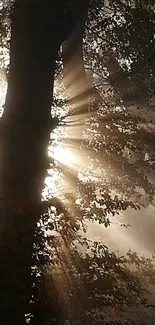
85	283
97	287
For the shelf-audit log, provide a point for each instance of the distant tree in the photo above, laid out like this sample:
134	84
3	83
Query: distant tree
119	136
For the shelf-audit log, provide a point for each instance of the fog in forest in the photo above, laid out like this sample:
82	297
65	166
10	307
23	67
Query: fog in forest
77	162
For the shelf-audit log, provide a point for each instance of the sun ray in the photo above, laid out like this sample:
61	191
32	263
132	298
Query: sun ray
3	89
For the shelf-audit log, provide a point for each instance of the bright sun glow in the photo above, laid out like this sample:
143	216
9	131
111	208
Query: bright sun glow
56	185
3	88
65	156
69	157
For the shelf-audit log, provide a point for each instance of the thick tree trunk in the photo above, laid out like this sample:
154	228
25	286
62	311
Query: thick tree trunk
37	32
25	136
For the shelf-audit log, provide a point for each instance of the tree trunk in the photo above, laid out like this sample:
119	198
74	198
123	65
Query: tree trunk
25	136
37	31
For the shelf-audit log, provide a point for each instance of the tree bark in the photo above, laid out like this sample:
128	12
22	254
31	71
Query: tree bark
37	31
25	135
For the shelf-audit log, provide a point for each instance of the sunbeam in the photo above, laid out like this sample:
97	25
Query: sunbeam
3	89
75	118
66	156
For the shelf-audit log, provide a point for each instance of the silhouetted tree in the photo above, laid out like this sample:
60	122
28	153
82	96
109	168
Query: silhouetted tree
114	140
38	29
